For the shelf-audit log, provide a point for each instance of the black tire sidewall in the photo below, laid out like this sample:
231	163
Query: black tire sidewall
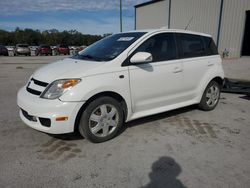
203	104
84	120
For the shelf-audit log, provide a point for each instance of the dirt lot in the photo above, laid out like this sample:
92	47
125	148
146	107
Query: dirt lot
181	148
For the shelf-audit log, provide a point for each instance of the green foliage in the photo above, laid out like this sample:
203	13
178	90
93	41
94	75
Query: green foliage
50	37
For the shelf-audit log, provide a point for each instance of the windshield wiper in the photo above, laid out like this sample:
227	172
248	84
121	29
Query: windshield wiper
89	57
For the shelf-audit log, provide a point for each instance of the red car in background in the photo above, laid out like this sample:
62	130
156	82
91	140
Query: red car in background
62	49
44	49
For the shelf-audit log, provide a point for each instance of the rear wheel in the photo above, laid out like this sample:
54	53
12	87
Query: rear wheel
101	120
210	97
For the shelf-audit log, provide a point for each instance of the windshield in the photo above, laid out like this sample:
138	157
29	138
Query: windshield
109	48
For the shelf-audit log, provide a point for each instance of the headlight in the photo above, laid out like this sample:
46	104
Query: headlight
58	87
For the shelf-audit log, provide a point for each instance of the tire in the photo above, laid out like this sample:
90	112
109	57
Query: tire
210	97
101	120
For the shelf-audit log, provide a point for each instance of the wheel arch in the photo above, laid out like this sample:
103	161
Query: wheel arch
112	94
219	80
206	81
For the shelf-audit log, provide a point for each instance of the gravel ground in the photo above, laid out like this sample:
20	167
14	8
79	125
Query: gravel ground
181	148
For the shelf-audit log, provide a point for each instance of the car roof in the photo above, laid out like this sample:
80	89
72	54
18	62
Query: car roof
151	31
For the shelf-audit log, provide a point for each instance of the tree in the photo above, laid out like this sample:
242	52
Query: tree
50	37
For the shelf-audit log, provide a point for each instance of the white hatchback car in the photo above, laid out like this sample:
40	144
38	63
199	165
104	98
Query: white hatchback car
120	78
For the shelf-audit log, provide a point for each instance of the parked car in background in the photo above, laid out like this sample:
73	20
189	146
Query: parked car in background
62	49
123	77
3	50
10	48
44	49
73	47
22	49
33	48
80	48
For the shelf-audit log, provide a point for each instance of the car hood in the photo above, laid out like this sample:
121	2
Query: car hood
67	68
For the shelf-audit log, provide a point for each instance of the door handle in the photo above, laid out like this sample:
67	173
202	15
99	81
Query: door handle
209	64
177	69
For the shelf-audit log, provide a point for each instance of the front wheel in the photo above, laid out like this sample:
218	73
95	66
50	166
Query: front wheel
210	97
101	120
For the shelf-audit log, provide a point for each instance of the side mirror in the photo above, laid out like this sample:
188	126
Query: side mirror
141	57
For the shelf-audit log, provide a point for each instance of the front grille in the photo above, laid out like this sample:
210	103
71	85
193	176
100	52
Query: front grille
27	116
37	84
45	122
40	83
35	92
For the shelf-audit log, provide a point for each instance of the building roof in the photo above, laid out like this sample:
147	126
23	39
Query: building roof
147	3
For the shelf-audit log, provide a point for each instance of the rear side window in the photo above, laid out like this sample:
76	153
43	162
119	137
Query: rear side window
161	46
191	45
210	47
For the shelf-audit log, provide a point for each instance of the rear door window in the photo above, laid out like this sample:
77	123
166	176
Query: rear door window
190	45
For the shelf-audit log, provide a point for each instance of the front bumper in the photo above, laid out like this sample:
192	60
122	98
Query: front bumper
23	52
47	109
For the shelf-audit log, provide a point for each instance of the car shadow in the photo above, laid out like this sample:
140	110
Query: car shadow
164	174
68	136
245	97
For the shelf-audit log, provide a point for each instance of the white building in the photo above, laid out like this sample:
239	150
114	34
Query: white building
228	21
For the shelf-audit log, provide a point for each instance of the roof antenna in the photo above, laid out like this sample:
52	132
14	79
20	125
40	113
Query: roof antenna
189	23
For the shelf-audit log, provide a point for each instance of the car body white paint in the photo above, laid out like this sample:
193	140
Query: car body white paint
147	88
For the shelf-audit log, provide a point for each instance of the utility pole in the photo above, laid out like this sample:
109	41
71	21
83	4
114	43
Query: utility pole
121	16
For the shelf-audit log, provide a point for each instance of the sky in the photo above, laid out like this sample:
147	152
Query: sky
86	16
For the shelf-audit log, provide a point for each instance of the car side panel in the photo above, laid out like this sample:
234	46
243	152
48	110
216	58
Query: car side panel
154	85
214	70
117	82
194	69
